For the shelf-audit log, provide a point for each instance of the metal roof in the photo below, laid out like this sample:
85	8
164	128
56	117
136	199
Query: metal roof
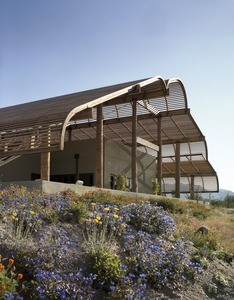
45	125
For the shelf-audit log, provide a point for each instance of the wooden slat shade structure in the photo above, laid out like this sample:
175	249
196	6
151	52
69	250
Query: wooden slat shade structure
44	126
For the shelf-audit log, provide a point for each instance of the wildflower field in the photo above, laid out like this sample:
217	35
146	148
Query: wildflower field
102	246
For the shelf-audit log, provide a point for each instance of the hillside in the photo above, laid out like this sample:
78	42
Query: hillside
103	246
221	194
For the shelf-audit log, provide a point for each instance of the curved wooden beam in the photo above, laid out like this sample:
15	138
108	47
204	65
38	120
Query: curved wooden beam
103	99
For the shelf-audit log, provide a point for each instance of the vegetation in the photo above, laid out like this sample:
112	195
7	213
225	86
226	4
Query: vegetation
121	181
228	202
66	246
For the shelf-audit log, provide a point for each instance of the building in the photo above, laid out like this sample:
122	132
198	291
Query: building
142	128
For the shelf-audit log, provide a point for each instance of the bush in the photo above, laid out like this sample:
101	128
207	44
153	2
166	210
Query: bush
206	244
107	267
102	226
10	281
228	202
171	205
60	285
149	217
76	213
121	181
159	262
201	213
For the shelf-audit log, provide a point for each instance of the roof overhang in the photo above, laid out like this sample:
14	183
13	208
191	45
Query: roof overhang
45	125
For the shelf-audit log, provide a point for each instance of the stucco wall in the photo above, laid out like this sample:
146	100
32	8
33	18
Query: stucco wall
63	162
21	168
117	159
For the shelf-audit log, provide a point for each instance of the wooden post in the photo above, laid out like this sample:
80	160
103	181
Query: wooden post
45	166
134	147
159	156
192	187
177	177
77	156
45	160
99	137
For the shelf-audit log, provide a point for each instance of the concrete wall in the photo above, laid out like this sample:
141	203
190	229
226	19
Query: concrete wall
21	168
63	162
117	159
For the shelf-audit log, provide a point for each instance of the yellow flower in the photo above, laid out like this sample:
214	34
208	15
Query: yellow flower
14	214
32	213
123	226
116	208
93	204
115	216
106	209
98	218
96	221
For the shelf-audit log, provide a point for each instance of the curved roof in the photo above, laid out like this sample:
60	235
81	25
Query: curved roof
45	125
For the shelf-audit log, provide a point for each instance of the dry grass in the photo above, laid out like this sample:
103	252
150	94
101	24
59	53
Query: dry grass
220	222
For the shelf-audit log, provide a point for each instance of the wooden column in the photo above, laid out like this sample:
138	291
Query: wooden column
134	147
99	150
45	166
159	156
192	187
77	156
177	175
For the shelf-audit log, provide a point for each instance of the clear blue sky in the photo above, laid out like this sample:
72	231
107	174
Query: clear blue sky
55	47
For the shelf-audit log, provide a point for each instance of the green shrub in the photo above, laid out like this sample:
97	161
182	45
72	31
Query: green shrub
205	243
224	255
10	281
102	226
219	278
155	186
50	215
75	213
107	198
107	267
121	181
228	202
202	261
171	205
200	214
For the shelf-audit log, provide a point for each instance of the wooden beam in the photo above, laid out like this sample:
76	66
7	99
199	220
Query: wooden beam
84	114
147	144
192	187
186	175
149	107
177	177
145	95
159	156
99	137
45	166
129	119
134	147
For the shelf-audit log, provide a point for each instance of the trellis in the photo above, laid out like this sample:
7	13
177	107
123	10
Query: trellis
150	115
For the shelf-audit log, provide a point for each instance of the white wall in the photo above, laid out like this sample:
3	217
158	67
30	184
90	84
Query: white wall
21	168
117	159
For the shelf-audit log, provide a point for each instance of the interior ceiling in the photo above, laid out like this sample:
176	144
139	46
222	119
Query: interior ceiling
36	126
